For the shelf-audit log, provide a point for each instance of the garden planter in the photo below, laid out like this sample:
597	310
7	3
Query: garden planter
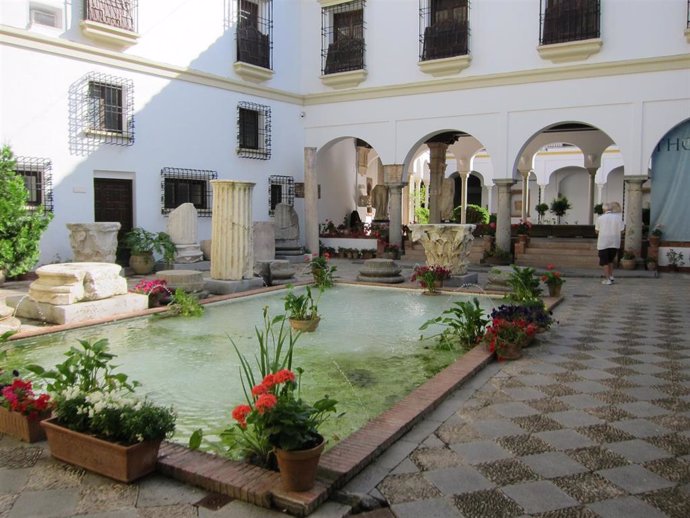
122	463
298	468
142	264
21	427
654	241
306	326
628	264
509	352
554	290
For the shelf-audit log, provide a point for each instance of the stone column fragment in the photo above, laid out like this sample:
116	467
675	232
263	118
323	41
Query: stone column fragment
503	214
232	247
633	214
311	201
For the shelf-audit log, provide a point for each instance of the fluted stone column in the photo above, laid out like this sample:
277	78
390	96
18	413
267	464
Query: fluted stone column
633	214
311	201
232	247
437	170
592	188
392	175
503	213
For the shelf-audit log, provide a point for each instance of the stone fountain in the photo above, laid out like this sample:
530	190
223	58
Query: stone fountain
447	245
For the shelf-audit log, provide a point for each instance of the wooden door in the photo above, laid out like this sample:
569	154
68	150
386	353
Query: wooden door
113	202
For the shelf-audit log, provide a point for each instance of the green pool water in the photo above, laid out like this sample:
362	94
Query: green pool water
366	353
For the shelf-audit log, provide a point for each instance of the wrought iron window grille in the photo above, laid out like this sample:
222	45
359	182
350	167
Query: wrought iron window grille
688	25
562	21
254	32
101	109
443	29
115	13
38	180
281	189
193	186
253	131
342	37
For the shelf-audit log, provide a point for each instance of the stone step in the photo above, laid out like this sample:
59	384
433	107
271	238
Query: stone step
558	252
541	261
563	244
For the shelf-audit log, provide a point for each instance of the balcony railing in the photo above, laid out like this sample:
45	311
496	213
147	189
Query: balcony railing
342	34
443	39
568	20
115	13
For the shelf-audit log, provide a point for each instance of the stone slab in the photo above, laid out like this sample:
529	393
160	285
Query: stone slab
188	280
69	283
294	259
80	312
221	287
201	266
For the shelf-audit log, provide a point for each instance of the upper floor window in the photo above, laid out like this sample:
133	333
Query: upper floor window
180	186
37	176
444	29
45	15
115	13
254	32
342	31
101	111
569	20
253	131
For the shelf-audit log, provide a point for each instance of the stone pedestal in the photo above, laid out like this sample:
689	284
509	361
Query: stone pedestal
503	215
221	287
497	279
81	312
93	242
70	283
264	241
282	272
182	228
384	271
287	246
462	281
188	280
232	247
446	245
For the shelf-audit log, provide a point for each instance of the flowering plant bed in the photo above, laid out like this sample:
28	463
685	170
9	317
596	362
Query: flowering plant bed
21	411
430	276
507	338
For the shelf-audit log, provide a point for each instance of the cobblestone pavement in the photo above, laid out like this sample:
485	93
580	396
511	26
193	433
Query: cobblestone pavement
594	420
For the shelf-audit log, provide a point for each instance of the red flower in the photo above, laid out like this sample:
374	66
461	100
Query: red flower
240	414
327	255
259	389
550	266
20	398
269	381
283	376
265	402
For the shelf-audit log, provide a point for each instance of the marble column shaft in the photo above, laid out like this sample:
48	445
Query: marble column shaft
525	195
311	201
633	214
590	192
232	247
437	170
464	176
395	227
503	214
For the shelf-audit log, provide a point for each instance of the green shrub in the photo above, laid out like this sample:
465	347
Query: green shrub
20	228
464	324
524	285
476	215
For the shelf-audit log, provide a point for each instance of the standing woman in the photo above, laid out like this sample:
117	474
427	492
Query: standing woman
609	227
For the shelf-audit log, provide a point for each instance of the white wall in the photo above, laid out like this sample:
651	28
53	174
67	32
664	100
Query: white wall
337	173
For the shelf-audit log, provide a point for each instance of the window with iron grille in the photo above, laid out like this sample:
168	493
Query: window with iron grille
342	34
253	131
115	13
281	189
193	186
569	20
254	34
443	28
38	180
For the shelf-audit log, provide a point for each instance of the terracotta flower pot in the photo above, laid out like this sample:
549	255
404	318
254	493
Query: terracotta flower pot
654	240
509	351
554	290
123	463
142	264
306	326
628	264
21	427
298	468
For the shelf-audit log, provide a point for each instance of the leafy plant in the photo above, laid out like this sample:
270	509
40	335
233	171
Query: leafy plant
502	335
141	241
86	369
541	209
464	324
524	285
301	307
533	314
523	227
628	255
657	232
322	272
559	206
421	213
598	209
427	276
552	277
20	227
184	304
675	259
475	214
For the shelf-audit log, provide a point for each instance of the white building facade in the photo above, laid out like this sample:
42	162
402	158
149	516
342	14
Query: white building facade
237	89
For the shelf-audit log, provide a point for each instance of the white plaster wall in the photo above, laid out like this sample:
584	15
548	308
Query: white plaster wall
504	37
336	171
177	124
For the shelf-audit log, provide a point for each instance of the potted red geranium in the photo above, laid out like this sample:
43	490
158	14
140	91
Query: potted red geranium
21	410
507	337
430	277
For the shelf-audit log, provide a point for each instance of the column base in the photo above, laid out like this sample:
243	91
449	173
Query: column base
220	287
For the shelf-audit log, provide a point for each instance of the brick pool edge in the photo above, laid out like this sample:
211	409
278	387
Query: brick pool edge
337	466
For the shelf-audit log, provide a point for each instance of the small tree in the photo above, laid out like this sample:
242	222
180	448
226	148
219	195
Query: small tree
20	227
560	206
541	210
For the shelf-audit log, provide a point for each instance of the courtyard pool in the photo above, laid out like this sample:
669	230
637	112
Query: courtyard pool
366	353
